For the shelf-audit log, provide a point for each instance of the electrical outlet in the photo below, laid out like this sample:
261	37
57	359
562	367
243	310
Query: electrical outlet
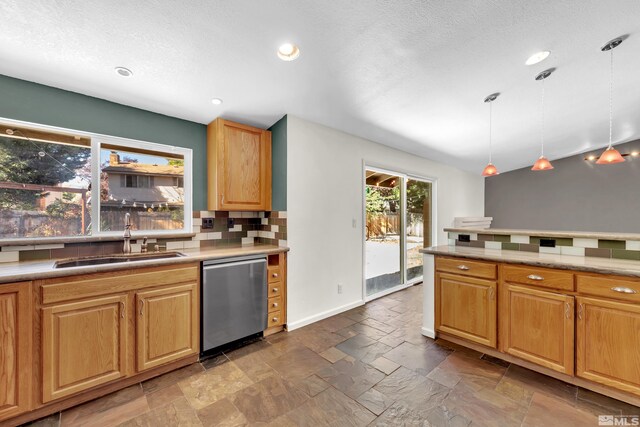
207	223
231	222
339	288
354	223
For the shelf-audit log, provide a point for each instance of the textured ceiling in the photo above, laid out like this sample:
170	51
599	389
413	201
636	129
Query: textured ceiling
410	74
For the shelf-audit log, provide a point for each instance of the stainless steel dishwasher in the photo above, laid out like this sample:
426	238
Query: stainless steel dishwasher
234	300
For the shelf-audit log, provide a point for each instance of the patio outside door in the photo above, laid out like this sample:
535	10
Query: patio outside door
398	224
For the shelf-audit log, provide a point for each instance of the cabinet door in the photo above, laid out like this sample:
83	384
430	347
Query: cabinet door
537	326
244	168
15	349
608	343
466	307
84	344
167	325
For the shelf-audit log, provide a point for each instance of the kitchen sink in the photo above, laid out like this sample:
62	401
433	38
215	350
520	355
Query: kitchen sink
114	259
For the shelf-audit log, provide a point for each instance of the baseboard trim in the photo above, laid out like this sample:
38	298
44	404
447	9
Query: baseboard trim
320	316
428	332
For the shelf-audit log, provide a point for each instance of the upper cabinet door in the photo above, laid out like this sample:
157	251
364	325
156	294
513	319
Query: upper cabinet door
239	167
15	349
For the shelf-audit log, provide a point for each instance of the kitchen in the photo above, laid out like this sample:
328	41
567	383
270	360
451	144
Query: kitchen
318	243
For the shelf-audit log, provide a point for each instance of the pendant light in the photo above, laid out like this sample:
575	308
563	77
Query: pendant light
542	164
610	155
490	169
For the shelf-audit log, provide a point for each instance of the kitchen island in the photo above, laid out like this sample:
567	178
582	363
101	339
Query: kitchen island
575	318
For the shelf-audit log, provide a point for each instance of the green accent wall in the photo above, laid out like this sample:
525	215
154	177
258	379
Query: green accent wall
279	165
32	102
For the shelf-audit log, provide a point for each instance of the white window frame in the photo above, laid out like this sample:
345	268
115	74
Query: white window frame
97	140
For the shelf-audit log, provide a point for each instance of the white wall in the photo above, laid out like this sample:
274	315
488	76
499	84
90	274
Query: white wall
324	195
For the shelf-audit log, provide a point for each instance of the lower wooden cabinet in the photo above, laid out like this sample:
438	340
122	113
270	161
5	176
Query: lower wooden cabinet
96	331
466	307
15	349
167	325
84	344
537	326
608	343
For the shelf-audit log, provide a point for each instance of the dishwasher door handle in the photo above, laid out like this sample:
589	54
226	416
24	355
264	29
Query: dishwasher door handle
234	264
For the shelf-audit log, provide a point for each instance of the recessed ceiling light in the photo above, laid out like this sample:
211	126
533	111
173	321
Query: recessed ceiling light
216	101
537	57
288	52
124	72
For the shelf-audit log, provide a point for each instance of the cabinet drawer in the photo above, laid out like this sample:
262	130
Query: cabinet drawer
543	277
274	273
609	287
466	267
275	304
275	319
77	287
274	289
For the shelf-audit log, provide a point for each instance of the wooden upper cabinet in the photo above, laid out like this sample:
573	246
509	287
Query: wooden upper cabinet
466	307
167	325
15	349
608	343
537	326
239	167
84	344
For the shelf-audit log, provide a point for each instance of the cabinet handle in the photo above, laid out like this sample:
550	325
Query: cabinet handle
463	267
580	311
492	293
274	275
141	307
275	304
624	290
275	290
567	310
122	309
275	319
535	277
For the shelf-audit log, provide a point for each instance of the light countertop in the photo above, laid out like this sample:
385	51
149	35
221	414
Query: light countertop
33	270
567	262
548	233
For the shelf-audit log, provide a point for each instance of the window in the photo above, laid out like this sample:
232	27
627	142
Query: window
143	183
45	182
47	176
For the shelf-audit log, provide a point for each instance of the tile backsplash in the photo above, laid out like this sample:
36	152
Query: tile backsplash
248	228
619	249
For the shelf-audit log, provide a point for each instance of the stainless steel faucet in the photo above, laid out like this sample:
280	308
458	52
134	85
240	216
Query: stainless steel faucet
127	234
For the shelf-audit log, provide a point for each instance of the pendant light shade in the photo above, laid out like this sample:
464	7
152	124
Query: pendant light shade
610	155
490	169
542	164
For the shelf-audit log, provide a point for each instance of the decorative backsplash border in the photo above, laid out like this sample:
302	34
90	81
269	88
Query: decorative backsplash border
619	249
249	228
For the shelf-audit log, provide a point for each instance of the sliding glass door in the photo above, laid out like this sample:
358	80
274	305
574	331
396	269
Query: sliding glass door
398	225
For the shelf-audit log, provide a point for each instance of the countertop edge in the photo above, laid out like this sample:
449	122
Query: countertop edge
500	256
191	256
547	233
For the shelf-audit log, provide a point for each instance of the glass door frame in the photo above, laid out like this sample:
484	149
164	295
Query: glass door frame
404	176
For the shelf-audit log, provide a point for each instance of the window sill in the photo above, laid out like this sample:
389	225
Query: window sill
135	235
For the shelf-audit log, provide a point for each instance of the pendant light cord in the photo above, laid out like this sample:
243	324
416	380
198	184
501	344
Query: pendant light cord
542	122
490	124
611	100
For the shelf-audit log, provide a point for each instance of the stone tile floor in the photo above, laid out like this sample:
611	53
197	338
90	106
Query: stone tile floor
368	366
